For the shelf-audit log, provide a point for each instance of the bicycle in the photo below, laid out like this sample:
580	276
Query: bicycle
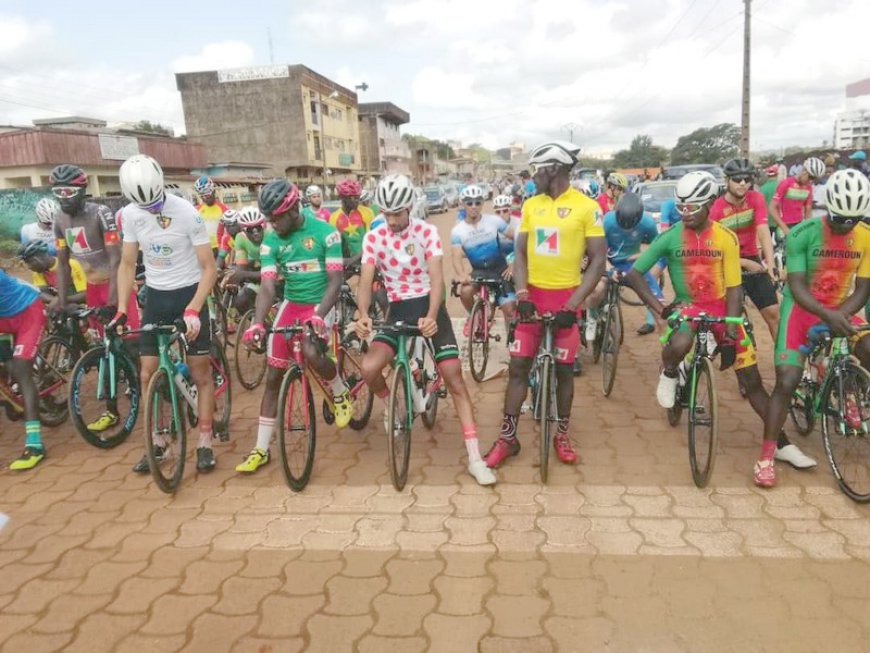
415	383
696	392
50	367
480	321
608	332
250	363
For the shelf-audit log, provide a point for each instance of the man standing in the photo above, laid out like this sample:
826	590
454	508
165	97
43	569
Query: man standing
315	207
211	210
352	220
47	210
615	185
793	199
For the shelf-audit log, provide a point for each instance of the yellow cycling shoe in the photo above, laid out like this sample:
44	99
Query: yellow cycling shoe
343	409
256	459
28	460
107	420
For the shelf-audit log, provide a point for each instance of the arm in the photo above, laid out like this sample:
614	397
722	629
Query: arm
456	256
264	297
126	274
363	326
635	280
63	276
330	295
776	214
521	265
858	299
766	242
114	253
596	249
428	325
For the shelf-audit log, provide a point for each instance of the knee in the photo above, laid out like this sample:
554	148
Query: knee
519	369
370	369
786	381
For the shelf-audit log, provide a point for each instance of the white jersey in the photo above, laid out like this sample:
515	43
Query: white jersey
403	259
167	242
33	231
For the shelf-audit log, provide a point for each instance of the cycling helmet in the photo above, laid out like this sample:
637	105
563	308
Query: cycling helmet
348	188
394	193
47	210
629	211
772	171
277	197
472	192
696	187
847	194
502	202
555	152
203	186
366	196
67	174
735	167
229	217
617	179
31	249
815	167
141	180
313	191
250	216
589	187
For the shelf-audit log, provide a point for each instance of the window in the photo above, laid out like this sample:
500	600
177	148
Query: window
337	115
313	112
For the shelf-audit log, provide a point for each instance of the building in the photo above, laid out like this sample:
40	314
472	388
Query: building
301	124
381	146
423	162
852	126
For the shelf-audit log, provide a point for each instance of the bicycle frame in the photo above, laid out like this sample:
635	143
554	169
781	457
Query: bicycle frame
13	399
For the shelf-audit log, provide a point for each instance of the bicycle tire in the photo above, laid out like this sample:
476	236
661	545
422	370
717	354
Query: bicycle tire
53	364
703	413
351	372
801	408
218	323
839	436
544	409
223	391
250	365
478	340
429	372
400	421
610	350
110	437
621	322
596	341
296	428
675	412
159	397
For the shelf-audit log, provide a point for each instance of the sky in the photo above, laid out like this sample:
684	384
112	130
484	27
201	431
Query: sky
489	71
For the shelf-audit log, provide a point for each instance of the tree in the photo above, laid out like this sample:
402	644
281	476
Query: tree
640	154
442	150
151	128
707	145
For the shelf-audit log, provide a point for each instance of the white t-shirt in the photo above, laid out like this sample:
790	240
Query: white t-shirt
167	242
403	259
33	231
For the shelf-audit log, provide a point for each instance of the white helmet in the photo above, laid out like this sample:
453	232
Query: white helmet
47	210
501	201
559	152
141	180
313	190
366	196
250	216
230	216
815	167
696	187
394	193
847	193
472	192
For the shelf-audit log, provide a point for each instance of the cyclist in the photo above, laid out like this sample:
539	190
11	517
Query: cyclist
179	274
43	266
366	199
478	239
43	229
703	258
744	212
246	264
315	207
211	209
501	206
352	220
793	199
231	228
407	253
614	186
826	255
559	225
529	189
307	253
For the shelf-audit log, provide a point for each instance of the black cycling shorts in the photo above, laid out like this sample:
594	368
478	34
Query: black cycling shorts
411	310
167	306
760	288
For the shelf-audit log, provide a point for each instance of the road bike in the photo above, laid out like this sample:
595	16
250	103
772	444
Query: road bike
543	384
51	367
608	333
480	323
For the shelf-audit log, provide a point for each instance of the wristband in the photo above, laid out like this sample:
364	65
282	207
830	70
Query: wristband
189	312
522	291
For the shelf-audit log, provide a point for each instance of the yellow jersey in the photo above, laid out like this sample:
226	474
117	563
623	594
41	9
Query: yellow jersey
557	231
49	277
212	215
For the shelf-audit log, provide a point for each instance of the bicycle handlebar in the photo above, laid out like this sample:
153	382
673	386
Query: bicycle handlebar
399	328
702	318
820	334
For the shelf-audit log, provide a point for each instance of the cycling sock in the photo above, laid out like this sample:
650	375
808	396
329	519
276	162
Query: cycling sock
649	318
671	375
563	425
469	434
205	435
31	434
509	427
782	441
768	448
265	426
338	386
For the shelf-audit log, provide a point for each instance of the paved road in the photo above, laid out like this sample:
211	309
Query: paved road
618	553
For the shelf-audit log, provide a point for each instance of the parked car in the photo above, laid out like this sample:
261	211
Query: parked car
675	172
436	199
653	193
452	192
420	208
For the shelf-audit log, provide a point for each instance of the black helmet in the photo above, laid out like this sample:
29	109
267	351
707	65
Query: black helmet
735	167
629	211
31	249
277	197
67	174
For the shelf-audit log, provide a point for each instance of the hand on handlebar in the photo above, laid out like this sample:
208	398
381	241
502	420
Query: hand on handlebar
428	326
363	327
670	309
254	336
526	309
839	322
727	353
565	319
119	320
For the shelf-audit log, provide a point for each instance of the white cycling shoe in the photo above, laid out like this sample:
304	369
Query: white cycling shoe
666	392
481	473
792	455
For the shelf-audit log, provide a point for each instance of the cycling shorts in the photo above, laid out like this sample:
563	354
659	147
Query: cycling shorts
167	306
625	266
505	293
278	348
527	335
26	327
97	295
794	324
410	311
746	356
759	287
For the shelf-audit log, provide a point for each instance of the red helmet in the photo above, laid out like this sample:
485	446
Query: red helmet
772	171
348	188
277	197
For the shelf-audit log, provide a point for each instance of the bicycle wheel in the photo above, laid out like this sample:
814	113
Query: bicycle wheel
478	340
52	366
349	356
250	365
845	417
399	420
223	391
218	318
297	429
429	372
610	350
703	422
676	411
628	296
89	392
801	408
620	322
599	337
546	411
164	428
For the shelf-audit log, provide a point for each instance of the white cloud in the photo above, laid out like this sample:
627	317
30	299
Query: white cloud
18	35
215	56
434	87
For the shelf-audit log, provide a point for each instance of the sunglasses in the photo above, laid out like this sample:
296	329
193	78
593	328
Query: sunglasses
254	230
534	167
690	209
472	202
741	179
500	211
842	220
65	192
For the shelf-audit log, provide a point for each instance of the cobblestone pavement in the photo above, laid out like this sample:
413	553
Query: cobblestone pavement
618	553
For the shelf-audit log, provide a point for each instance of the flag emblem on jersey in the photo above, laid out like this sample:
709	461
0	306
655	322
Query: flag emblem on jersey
164	221
409	249
77	240
547	241
308	244
563	212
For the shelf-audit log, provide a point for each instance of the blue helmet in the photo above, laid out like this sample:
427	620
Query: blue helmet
203	186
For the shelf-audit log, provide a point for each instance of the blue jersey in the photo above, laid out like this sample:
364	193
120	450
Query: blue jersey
669	215
507	243
15	295
377	222
625	243
480	242
529	189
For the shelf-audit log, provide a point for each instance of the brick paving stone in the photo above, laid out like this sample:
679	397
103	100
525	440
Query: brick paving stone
101	632
520	578
448	634
309	577
519	645
469	531
377	644
137	643
242	596
11	624
332	634
378	532
172	614
205	577
285	616
410	577
254	645
517	616
37	642
466	562
462	596
401	616
65	612
37	593
171	562
352	596
365	564
570	598
218	633
595	633
135	594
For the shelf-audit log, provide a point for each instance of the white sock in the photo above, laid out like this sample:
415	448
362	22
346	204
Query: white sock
338	386
205	438
473	449
265	427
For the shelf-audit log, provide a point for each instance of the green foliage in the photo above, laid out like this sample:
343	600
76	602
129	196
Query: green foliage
152	128
442	149
707	145
640	154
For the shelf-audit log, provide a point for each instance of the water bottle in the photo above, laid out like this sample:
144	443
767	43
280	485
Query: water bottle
418	397
184	370
183	381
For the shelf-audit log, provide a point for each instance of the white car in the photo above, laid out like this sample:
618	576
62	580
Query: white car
420	208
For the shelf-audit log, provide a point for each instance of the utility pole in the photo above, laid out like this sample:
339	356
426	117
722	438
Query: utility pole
747	56
570	127
271	50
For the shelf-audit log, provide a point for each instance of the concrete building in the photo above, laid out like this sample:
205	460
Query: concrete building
852	126
382	148
300	123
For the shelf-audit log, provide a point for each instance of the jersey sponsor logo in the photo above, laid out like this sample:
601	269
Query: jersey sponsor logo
739	219
334	238
308	243
563	211
77	240
547	241
701	253
514	346
164	221
303	266
820	252
160	250
409	249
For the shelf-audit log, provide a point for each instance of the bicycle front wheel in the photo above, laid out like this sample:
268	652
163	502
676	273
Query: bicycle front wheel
250	365
801	408
845	418
610	349
546	414
478	340
399	420
223	390
703	422
297	429
51	372
165	432
349	356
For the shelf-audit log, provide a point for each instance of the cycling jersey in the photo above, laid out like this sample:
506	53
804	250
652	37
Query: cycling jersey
33	231
743	219
49	277
480	241
212	215
227	244
321	214
402	259
15	295
303	258
246	251
86	236
669	215
557	232
352	228
622	244
606	203
830	261
507	243
702	264
792	198
167	241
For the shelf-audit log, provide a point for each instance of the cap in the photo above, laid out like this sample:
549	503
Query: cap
860	155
